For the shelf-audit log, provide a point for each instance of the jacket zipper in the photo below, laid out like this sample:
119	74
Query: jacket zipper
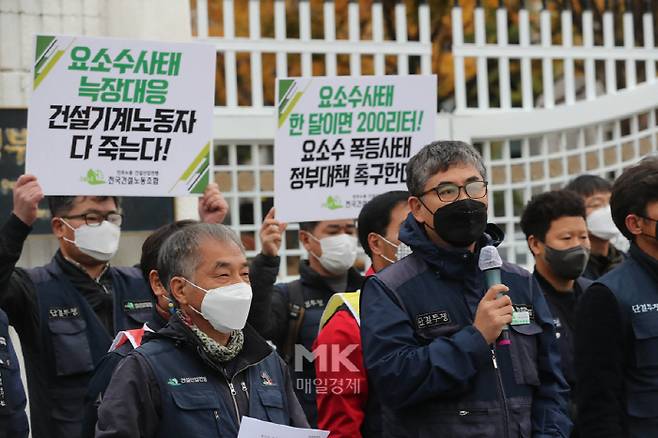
464	412
501	391
243	385
216	414
229	381
235	402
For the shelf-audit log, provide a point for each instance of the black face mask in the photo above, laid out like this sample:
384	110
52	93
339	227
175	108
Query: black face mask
461	222
568	263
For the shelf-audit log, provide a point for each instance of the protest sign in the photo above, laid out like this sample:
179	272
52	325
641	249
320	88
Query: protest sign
121	117
342	140
13	138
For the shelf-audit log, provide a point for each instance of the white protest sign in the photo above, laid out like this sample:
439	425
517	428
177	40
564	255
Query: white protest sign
342	140
121	117
253	428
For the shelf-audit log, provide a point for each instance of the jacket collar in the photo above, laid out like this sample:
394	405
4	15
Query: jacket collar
455	263
313	279
644	260
254	350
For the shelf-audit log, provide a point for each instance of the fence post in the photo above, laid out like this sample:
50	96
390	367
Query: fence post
567	42
354	35
330	36
229	56
609	43
280	35
526	66
547	62
503	61
647	30
481	62
629	43
588	42
255	58
401	35
458	60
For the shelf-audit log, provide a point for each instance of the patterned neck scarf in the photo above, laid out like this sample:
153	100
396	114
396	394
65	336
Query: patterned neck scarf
214	349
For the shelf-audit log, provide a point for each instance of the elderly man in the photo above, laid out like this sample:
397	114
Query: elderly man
429	325
205	370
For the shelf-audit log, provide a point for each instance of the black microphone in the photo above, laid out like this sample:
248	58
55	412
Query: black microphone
490	263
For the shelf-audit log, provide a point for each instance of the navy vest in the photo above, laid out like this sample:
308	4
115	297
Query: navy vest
498	399
73	341
191	392
636	292
13	421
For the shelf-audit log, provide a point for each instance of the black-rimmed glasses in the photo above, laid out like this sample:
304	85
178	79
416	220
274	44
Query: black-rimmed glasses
95	219
449	192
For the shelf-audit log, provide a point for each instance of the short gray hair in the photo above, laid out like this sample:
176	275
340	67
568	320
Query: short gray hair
179	255
439	156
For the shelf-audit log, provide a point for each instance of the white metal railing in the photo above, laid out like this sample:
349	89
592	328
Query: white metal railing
531	143
544	140
547	52
245	164
521	164
329	47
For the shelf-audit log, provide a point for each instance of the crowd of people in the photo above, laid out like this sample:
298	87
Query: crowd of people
439	338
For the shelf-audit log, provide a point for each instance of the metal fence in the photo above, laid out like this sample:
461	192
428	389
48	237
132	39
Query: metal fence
244	160
554	93
586	101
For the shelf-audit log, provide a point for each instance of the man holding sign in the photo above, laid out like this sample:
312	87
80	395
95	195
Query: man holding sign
107	118
67	312
340	142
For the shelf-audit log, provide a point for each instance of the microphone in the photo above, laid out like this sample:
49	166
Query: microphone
490	263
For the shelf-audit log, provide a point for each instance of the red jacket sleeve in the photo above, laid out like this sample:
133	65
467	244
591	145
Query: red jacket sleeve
341	385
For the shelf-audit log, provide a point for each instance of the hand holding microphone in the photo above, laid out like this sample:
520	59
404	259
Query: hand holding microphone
494	313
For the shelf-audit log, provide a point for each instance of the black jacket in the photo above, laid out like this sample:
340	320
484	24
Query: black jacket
316	293
132	405
563	309
433	369
598	265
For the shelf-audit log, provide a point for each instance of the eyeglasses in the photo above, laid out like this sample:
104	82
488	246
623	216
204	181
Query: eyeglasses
449	192
95	219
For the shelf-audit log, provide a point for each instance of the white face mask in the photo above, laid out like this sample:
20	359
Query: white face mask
226	308
100	242
338	252
401	250
601	225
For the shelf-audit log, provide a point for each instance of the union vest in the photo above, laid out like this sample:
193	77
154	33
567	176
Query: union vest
636	292
13	421
498	402
73	341
191	392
